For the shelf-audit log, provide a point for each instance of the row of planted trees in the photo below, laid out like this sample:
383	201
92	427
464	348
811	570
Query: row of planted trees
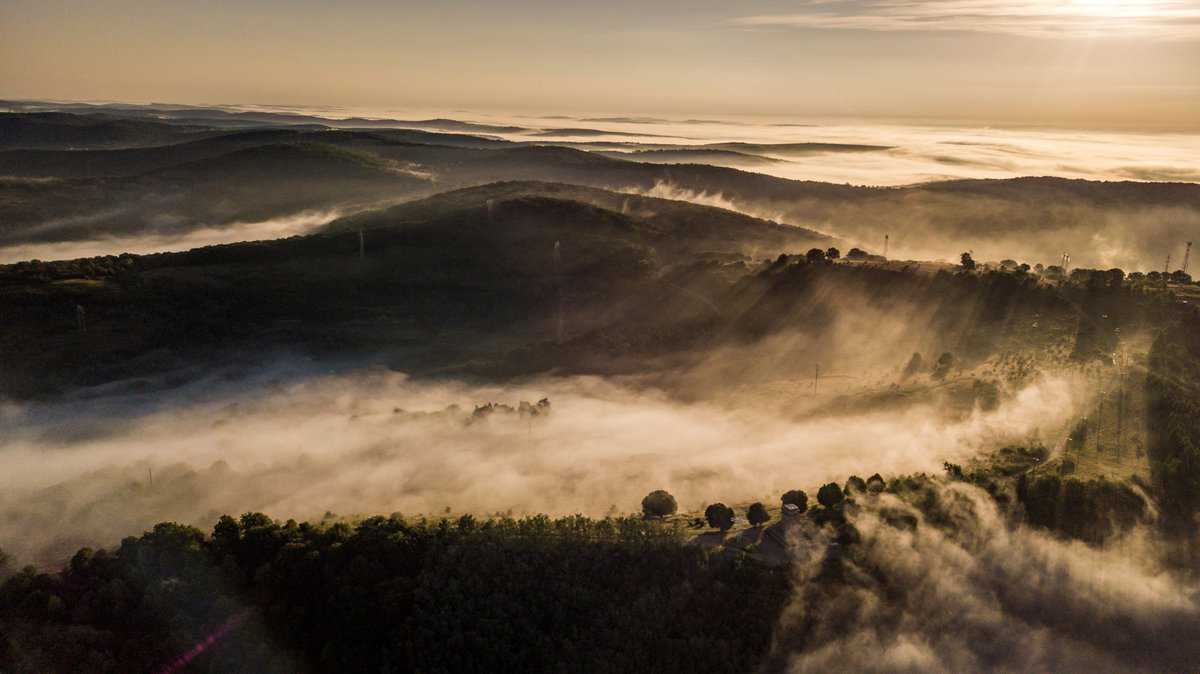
660	504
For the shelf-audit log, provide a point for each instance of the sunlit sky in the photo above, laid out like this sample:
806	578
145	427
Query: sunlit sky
1118	63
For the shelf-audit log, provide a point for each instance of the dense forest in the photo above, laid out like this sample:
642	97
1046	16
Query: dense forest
619	594
386	594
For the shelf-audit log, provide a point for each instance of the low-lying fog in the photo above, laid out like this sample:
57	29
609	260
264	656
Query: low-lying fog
295	445
297	224
981	596
917	152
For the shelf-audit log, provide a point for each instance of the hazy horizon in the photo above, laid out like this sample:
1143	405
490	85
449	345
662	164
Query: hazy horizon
1065	63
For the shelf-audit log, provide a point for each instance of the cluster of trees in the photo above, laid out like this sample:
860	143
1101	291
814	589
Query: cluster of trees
1173	434
1092	278
386	594
659	503
818	256
1088	510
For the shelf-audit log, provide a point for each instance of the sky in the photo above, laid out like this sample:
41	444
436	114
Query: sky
1079	63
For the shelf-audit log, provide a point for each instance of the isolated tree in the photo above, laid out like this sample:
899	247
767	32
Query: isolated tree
953	470
875	484
796	497
659	503
719	516
815	256
968	262
855	485
1008	264
757	514
856	254
833	253
943	365
915	364
830	495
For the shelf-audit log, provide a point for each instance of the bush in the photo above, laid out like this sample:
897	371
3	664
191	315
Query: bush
757	514
796	497
830	495
659	503
719	516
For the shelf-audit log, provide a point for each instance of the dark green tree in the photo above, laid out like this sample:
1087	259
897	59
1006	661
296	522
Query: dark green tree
796	497
875	484
659	503
943	366
719	516
915	364
855	485
830	495
833	253
757	514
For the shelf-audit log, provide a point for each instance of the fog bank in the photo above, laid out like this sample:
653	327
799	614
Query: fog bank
376	442
296	224
973	594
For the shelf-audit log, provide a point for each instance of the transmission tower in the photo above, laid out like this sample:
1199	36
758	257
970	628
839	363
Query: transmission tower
1167	266
1187	254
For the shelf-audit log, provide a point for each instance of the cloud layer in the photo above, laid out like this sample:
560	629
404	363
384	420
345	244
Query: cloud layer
1155	19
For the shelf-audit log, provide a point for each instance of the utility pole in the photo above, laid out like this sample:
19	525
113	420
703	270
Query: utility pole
816	376
1187	255
1167	266
885	244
